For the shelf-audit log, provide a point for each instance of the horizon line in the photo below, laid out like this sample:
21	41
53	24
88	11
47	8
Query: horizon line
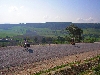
44	22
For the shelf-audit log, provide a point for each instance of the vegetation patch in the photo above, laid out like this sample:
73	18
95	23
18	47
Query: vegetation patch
76	68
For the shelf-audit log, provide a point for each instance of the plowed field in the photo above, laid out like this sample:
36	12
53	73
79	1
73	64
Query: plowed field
15	59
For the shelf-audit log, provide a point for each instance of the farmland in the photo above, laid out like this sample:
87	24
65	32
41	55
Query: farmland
48	29
49	46
15	58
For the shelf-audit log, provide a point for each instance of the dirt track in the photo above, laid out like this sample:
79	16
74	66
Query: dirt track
40	57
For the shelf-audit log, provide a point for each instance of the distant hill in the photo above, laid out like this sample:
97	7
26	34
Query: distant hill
45	29
88	25
51	25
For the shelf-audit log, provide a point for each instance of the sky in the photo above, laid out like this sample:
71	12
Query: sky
32	11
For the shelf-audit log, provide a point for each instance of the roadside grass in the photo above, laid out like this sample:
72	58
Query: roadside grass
55	68
73	63
95	70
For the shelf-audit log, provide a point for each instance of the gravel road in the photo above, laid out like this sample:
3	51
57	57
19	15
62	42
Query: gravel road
16	56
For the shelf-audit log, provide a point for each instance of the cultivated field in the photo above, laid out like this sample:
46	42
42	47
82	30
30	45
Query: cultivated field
14	60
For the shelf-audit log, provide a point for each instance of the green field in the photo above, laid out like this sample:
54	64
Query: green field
91	31
47	32
14	31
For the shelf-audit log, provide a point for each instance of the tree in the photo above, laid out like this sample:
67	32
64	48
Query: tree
75	32
60	39
35	39
43	40
67	38
49	39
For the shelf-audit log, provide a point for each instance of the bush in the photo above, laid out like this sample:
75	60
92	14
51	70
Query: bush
3	45
97	70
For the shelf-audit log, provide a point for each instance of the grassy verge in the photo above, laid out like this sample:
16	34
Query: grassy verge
56	68
72	65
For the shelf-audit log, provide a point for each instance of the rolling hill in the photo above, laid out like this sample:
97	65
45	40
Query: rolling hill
49	29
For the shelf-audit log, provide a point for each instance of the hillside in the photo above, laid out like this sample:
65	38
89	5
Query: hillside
48	29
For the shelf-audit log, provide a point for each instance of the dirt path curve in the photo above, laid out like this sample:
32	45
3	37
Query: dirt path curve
15	61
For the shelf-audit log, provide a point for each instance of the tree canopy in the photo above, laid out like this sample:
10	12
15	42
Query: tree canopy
75	32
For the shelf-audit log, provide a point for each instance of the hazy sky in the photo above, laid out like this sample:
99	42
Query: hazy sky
23	11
